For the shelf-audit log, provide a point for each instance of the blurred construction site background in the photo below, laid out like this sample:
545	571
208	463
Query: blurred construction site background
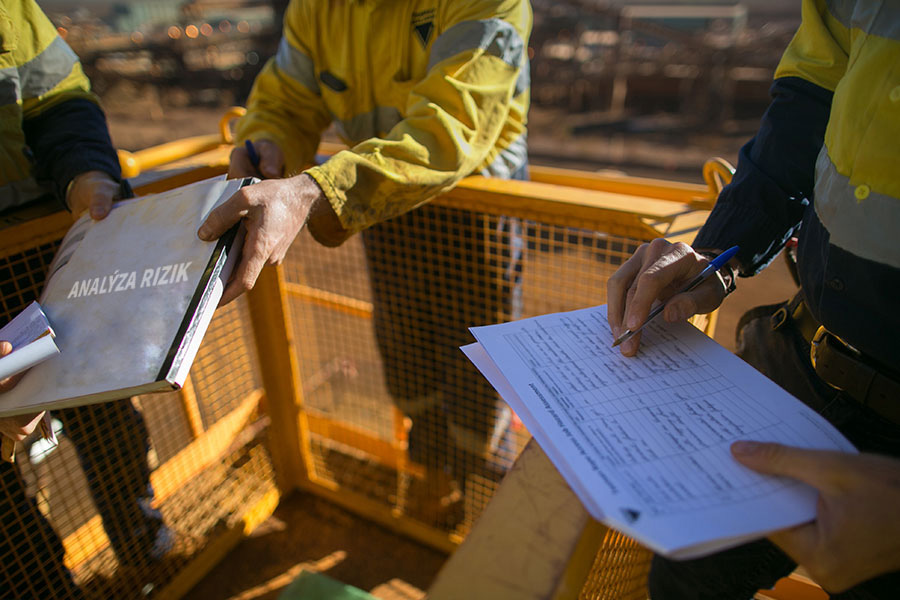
653	88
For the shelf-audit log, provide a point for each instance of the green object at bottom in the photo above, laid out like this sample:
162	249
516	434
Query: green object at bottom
314	586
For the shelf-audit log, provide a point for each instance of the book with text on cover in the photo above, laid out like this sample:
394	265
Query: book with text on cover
644	441
130	298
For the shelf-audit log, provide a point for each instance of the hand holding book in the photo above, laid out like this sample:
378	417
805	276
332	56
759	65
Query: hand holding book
130	296
30	341
274	211
17	428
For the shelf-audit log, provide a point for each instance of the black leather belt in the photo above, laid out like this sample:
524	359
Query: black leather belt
842	366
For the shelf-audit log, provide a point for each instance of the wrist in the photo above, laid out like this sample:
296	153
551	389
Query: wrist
324	224
727	275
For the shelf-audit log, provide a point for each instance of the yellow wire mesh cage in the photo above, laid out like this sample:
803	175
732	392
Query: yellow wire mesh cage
398	425
138	488
339	373
378	323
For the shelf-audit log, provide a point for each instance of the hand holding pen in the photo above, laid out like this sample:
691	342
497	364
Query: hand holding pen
253	157
260	158
657	271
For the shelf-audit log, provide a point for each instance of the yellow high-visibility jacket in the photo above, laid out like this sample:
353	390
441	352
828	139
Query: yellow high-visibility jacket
830	137
852	47
38	71
425	92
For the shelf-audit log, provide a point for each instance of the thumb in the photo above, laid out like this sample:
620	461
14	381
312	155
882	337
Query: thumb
9	382
818	468
223	217
101	204
271	159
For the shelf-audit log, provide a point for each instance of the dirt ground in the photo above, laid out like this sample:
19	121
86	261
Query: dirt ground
307	532
312	534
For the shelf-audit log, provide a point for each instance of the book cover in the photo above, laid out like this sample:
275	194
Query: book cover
130	298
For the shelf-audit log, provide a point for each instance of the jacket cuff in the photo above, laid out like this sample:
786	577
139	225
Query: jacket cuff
752	212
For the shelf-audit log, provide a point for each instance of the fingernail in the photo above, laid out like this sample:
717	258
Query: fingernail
5	347
633	322
204	234
745	448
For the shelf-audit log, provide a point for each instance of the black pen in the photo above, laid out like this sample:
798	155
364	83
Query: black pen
716	264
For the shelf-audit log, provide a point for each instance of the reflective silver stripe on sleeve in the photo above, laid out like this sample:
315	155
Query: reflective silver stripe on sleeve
875	17
841	10
371	124
494	36
866	228
297	66
523	82
46	70
21	192
9	86
509	160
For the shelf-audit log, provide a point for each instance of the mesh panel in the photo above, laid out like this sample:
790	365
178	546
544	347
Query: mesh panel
90	500
619	572
398	421
396	412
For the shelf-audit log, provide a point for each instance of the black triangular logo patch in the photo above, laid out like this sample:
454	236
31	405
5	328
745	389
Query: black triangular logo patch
424	32
332	81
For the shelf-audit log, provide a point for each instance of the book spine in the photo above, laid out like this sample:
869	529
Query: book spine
196	317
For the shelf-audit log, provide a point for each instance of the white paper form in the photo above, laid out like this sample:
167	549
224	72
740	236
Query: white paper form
644	441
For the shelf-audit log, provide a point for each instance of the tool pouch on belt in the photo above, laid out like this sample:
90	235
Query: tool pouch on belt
839	364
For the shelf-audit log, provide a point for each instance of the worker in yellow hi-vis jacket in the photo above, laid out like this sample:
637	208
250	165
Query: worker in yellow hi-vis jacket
425	92
823	166
55	146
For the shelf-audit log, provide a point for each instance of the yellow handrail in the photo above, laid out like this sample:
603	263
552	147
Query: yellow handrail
717	173
134	163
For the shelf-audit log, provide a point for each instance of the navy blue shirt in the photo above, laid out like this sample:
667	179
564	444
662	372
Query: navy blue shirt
68	139
770	199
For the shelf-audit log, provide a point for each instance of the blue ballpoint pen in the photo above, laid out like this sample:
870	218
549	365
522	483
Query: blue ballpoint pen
716	264
253	156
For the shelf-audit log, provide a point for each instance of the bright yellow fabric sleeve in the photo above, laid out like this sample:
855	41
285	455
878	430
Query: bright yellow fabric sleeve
280	107
819	50
453	119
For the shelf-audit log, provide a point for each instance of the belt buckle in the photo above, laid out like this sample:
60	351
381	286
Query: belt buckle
819	340
824	339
